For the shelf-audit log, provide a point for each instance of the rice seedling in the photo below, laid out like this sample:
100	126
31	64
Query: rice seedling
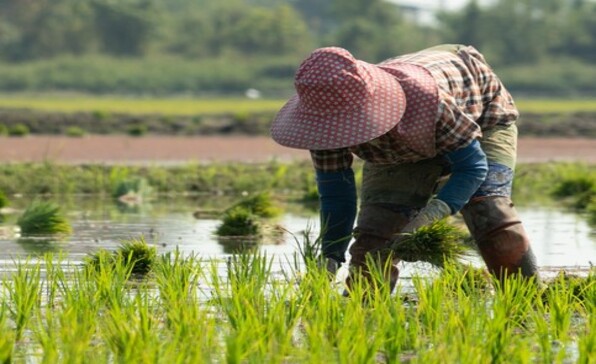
239	221
75	132
24	296
19	130
435	243
132	190
581	190
3	200
592	212
244	310
43	217
260	204
7	339
135	255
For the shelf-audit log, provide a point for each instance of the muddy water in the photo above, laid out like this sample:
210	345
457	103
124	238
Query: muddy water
560	238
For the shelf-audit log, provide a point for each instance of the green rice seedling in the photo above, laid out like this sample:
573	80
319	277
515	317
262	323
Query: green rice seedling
587	341
24	295
3	130
309	250
43	217
592	212
7	339
75	132
3	200
132	190
580	189
19	130
466	279
435	243
510	308
261	205
135	255
580	288
239	221
138	130
131	330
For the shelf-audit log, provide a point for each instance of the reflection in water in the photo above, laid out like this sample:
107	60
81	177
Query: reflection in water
559	238
38	246
238	245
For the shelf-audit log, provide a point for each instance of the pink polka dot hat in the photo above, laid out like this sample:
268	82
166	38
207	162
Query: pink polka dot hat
340	102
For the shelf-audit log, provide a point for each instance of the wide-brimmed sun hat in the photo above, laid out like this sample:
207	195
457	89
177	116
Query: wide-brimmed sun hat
340	102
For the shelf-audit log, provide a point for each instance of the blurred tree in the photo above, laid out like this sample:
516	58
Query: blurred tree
464	27
40	28
578	31
272	31
124	28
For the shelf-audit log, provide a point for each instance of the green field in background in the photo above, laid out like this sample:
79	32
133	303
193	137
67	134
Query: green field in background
167	106
190	106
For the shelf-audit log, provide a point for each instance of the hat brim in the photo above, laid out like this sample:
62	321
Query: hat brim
296	127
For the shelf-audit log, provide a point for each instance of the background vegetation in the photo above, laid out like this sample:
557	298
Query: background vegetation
227	46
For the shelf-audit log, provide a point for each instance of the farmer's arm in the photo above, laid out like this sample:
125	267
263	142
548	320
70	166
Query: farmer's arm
456	134
468	170
337	196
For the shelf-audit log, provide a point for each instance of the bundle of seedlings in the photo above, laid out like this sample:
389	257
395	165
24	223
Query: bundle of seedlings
132	191
436	244
43	218
134	254
239	221
260	205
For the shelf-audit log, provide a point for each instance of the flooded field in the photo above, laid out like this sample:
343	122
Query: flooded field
560	238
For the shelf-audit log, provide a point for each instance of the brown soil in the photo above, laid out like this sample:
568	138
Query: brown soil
175	150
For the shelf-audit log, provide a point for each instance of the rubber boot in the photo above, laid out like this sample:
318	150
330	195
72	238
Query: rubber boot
375	227
500	236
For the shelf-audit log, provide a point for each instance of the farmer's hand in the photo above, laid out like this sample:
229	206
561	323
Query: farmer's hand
435	210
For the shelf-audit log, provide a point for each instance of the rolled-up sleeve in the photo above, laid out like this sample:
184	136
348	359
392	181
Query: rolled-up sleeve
332	160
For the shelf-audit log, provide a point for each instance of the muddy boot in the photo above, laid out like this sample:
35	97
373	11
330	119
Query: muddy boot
500	236
376	224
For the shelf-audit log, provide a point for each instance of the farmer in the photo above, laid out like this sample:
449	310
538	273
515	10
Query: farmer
436	130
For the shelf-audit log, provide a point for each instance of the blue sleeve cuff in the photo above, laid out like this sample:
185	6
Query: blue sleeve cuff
337	194
468	170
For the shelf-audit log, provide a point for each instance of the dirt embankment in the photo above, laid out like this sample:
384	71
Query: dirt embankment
176	150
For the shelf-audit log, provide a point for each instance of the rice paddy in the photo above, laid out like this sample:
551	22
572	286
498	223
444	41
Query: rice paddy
164	288
189	310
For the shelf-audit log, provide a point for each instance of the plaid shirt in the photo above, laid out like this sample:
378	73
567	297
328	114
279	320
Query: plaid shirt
471	98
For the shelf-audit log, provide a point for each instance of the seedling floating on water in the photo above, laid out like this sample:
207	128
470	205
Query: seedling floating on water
132	190
434	243
42	218
134	254
260	204
239	221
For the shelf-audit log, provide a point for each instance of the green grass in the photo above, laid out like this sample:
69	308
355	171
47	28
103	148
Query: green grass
555	106
104	105
140	105
245	311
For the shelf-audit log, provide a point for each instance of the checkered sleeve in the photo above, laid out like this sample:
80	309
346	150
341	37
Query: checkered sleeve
500	110
455	128
331	160
498	107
